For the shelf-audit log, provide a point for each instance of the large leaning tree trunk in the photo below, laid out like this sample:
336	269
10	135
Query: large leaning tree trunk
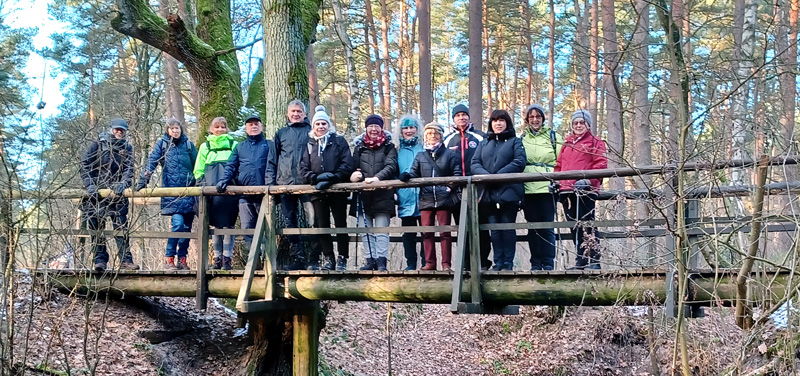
208	55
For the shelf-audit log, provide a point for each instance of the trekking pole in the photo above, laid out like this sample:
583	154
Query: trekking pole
362	213
577	224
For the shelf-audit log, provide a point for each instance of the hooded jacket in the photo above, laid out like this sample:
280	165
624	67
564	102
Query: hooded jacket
464	144
290	142
335	157
209	169
380	163
408	198
540	153
176	158
248	163
107	161
448	164
501	153
584	152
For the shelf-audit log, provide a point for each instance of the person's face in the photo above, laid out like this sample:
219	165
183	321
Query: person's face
218	128
119	133
462	120
295	114
174	131
374	130
321	128
499	125
409	132
535	120
579	126
432	137
253	128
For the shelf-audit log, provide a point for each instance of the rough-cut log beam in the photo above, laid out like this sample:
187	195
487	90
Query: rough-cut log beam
550	288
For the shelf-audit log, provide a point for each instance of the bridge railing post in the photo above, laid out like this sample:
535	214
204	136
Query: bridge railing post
474	245
254	255
463	232
201	298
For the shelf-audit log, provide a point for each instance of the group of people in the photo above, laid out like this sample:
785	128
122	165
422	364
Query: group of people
306	152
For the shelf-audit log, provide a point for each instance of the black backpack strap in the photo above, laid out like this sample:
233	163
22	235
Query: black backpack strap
553	142
432	162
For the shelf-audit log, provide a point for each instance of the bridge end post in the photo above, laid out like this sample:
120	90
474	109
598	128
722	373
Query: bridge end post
306	329
201	298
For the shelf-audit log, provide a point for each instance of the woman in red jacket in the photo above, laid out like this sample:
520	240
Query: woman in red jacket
582	151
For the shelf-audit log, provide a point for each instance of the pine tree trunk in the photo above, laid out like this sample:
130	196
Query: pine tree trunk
352	79
616	146
641	144
515	79
487	63
172	78
370	78
475	57
425	74
526	14
744	60
581	55
387	101
313	84
372	45
786	50
594	63
551	66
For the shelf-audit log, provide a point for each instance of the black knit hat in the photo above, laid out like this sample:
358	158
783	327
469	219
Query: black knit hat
373	119
460	108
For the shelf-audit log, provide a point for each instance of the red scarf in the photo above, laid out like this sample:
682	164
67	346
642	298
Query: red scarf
374	143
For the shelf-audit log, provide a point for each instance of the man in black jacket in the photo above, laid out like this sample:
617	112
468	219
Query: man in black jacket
247	166
290	141
108	163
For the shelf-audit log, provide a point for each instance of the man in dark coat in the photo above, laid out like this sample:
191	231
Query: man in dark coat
290	142
464	140
108	163
247	166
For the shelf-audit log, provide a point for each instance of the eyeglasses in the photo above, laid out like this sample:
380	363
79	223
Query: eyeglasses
534	117
373	126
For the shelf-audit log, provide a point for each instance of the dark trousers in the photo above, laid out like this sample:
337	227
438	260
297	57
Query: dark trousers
248	216
541	207
410	243
504	242
181	222
442	216
485	240
324	207
290	207
96	223
581	208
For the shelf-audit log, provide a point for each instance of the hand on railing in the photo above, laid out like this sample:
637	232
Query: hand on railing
323	185
583	185
404	177
91	190
554	187
325	176
140	185
118	189
356	176
222	186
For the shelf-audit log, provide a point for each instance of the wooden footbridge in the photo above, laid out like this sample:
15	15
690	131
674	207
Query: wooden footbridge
466	289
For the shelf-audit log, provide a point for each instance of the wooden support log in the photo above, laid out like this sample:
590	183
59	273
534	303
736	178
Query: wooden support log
306	341
525	288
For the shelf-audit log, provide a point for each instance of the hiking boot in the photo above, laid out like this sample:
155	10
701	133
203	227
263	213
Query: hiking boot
169	264
341	263
382	263
217	263
312	267
370	264
577	267
128	265
328	264
226	263
496	268
431	266
593	266
100	266
182	265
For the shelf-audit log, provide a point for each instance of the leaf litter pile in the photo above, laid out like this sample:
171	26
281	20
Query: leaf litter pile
56	334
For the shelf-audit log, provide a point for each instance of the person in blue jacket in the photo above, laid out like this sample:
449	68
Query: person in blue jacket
176	155
408	198
247	166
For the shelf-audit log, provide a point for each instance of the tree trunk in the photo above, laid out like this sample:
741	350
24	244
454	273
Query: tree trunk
425	85
641	110
611	56
744	62
515	79
786	46
387	100
475	67
172	78
352	80
581	56
370	78
410	72
373	46
526	14
551	66
594	63
487	63
399	73
499	81
313	84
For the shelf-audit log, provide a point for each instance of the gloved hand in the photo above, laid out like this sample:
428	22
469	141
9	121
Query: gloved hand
323	185
222	186
140	185
118	188
404	177
325	176
356	176
582	185
554	187
91	190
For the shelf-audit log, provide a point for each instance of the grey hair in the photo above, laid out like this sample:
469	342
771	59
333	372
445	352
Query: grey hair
298	103
219	119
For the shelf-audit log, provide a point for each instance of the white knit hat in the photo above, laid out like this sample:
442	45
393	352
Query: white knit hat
320	114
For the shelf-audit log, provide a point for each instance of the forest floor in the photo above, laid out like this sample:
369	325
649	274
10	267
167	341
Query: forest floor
57	334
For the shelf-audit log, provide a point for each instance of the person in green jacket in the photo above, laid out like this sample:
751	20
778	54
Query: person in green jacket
208	169
542	146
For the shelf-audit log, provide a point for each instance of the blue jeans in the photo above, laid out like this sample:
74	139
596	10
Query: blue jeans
180	223
504	242
248	215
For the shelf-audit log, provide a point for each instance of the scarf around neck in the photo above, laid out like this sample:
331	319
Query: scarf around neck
409	142
374	143
432	147
322	142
